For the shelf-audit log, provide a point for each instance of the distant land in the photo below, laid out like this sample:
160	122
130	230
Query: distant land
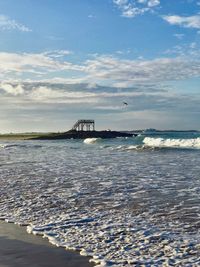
20	136
72	134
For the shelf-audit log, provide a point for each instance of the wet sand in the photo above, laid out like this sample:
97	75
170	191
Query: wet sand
20	249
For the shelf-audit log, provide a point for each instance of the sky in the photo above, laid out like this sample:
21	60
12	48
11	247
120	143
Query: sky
65	60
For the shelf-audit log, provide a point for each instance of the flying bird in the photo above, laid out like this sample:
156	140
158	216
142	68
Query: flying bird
125	103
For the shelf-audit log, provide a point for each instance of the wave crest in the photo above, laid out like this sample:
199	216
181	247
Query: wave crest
91	140
174	143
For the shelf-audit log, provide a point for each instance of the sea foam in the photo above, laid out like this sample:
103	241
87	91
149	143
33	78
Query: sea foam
123	209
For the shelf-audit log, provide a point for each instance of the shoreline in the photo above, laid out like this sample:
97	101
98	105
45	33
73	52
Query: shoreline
18	248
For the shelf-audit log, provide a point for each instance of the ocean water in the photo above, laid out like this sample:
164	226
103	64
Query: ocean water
124	202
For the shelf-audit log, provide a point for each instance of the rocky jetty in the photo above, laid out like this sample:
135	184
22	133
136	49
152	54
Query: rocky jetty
73	134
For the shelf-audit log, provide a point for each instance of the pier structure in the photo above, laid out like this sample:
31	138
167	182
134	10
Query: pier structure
84	125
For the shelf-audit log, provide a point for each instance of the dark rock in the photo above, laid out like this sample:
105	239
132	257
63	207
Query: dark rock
73	134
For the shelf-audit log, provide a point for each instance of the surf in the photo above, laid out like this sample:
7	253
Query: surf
193	143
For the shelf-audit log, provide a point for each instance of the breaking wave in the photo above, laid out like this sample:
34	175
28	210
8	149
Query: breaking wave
193	143
91	140
7	146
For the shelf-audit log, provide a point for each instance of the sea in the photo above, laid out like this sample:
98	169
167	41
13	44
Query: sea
123	202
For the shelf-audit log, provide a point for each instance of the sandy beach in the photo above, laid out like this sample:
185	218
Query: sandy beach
20	249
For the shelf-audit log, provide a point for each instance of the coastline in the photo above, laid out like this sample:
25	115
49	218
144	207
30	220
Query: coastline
18	248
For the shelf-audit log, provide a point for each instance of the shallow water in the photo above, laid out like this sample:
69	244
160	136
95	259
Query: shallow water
126	202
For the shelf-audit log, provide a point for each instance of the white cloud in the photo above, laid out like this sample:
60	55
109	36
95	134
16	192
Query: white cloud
152	3
185	50
113	70
36	92
47	94
120	2
193	45
105	69
179	36
137	7
131	12
186	22
9	24
57	53
142	1
12	89
33	63
56	102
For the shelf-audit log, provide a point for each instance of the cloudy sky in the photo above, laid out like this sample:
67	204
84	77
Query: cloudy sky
65	60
